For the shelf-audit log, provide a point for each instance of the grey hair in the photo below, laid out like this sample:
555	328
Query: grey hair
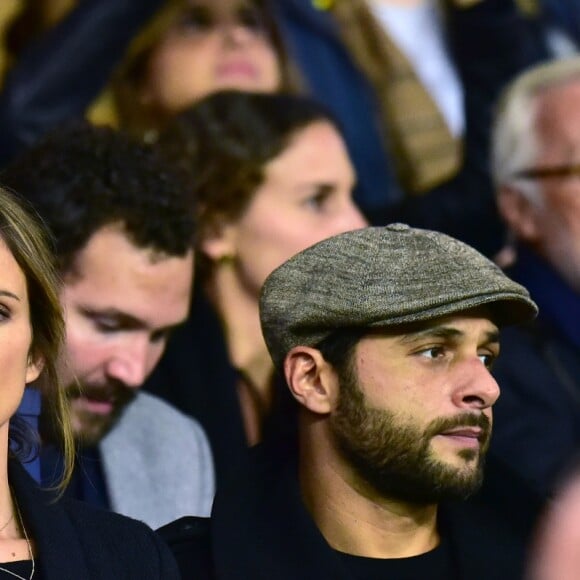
515	143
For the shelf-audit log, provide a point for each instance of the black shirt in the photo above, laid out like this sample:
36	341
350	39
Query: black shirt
21	567
435	565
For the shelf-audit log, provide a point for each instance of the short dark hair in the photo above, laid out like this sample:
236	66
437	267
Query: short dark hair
338	348
81	178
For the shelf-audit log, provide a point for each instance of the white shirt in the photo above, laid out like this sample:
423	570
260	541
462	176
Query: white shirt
418	31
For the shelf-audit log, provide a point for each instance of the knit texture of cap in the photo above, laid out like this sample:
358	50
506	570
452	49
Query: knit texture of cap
381	277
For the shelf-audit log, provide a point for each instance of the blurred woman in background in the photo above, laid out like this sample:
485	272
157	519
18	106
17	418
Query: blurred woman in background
135	64
270	176
192	48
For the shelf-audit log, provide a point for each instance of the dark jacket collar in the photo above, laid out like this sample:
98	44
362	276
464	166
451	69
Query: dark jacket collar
261	529
559	304
60	554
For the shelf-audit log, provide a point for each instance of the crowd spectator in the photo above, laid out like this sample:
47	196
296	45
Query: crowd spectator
124	231
43	535
536	169
149	57
413	85
271	176
393	396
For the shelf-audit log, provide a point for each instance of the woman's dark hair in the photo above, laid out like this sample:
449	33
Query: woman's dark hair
224	143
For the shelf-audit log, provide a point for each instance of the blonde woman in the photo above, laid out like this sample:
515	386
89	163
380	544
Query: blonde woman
42	536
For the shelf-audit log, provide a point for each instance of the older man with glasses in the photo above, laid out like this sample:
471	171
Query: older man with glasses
536	151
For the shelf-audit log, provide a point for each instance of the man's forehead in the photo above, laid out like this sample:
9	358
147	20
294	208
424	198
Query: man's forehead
114	278
558	114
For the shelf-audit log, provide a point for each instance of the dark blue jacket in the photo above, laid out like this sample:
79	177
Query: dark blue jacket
563	15
58	77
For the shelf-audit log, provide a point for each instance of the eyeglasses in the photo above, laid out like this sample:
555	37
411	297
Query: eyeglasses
549	172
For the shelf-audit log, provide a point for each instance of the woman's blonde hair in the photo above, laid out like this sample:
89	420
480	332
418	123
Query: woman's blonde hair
28	241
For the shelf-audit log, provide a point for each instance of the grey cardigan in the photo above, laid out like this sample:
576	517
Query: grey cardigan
157	464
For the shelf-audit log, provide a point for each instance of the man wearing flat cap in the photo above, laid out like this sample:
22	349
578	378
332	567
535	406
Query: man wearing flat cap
386	337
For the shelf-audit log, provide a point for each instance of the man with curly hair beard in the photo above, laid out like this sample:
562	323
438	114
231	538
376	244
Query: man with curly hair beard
123	229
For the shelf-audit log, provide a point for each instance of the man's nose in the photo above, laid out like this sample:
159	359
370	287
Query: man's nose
476	387
130	362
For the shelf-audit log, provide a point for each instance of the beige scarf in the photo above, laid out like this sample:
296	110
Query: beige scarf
424	151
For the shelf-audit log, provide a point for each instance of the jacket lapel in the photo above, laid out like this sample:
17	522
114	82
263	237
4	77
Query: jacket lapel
59	552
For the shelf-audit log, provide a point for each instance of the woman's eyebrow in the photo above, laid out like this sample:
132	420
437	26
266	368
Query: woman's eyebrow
9	294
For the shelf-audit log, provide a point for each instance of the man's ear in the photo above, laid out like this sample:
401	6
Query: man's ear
520	214
311	380
34	367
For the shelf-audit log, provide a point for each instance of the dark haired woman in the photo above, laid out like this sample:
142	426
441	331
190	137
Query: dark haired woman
271	176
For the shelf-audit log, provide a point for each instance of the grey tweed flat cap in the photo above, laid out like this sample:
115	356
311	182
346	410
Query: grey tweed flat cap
381	277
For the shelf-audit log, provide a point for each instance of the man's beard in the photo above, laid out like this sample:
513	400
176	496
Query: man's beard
394	456
89	427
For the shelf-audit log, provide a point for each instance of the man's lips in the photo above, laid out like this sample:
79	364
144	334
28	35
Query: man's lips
99	406
468	436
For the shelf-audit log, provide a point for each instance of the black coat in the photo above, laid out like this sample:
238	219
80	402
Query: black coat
537	417
260	529
76	541
196	376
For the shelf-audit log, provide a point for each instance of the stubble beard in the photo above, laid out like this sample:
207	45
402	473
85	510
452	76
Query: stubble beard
90	428
395	457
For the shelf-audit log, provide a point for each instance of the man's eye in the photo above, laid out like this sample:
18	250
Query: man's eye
433	352
487	359
161	335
